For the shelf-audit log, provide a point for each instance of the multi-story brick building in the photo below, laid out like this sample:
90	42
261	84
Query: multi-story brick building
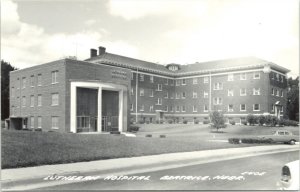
107	91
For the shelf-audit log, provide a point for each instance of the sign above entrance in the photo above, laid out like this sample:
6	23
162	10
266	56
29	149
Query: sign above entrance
117	74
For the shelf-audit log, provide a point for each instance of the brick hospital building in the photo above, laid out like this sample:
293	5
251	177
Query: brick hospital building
107	91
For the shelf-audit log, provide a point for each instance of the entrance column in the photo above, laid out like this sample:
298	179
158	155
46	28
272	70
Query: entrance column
99	121
120	111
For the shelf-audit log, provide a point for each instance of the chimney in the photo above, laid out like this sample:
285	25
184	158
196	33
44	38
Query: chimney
93	52
102	50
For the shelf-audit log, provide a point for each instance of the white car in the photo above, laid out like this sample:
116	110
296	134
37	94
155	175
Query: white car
290	176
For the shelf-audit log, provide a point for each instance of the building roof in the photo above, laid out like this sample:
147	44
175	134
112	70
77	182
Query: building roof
189	69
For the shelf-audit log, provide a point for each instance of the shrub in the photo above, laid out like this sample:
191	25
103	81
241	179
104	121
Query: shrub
133	128
162	136
268	120
184	121
261	120
196	121
232	122
170	121
251	119
274	121
291	123
255	140
206	122
218	120
141	121
38	129
244	122
148	135
281	122
234	140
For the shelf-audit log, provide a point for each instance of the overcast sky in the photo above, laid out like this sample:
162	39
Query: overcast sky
160	31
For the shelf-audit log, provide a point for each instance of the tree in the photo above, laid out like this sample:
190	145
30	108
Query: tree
293	99
218	120
5	69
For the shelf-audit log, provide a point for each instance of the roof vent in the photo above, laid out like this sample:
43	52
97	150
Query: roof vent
101	50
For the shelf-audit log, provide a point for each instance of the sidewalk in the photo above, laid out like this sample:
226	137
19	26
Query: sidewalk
17	178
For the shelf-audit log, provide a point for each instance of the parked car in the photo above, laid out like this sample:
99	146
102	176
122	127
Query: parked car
290	176
281	136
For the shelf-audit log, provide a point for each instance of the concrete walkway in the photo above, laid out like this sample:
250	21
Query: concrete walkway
15	179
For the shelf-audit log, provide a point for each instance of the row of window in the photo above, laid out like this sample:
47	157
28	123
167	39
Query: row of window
277	77
276	92
231	77
54	100
243	107
54	122
36	80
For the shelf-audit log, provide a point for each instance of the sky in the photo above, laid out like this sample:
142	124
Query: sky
160	31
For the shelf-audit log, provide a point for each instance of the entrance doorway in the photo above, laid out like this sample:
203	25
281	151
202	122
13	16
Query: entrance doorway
110	110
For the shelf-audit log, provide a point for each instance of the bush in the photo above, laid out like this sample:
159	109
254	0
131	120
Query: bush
261	120
281	122
251	119
206	122
274	121
255	140
159	121
170	121
133	128
148	135
196	121
268	120
232	122
234	140
244	122
162	136
184	121
218	120
288	122
141	121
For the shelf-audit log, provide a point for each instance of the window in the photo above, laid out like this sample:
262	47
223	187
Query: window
243	76
24	82
273	107
166	81
243	107
217	101
13	92
131	91
18	102
151	108
54	122
18	83
31	101
230	77
172	96
183	108
151	79
256	75
166	95
159	87
177	82
277	92
141	92
230	92
205	94
183	82
172	82
32	81
277	76
195	80
218	86
166	108
177	108
256	107
131	107
23	101
141	77
195	108
132	76
177	96
194	94
230	108
282	79
281	109
272	92
54	77
205	80
39	80
256	91
142	108
281	93
159	101
32	122
54	99
243	92
39	122
151	93
171	108
205	108
183	95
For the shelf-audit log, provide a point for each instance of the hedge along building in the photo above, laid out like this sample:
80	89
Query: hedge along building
106	91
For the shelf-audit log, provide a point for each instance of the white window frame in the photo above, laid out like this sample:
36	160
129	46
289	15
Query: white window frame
24	82
159	101
230	93
167	95
177	96
183	96
195	94
243	94
131	107
205	80
39	80
277	92
183	82
254	107
132	75
54	122
12	92
32	122
217	100
159	87
166	108
273	91
31	100
32	81
142	77
166	81
177	82
177	109
53	103
39	120
256	91
241	107
281	93
230	109
151	93
151	108
218	86
230	77
243	76
195	108
205	108
54	75
205	94
24	101
142	92
142	108
254	75
131	91
183	108
151	79
281	110
195	80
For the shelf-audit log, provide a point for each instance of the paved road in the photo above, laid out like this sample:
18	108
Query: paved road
268	166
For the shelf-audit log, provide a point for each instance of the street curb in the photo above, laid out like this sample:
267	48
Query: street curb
137	165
